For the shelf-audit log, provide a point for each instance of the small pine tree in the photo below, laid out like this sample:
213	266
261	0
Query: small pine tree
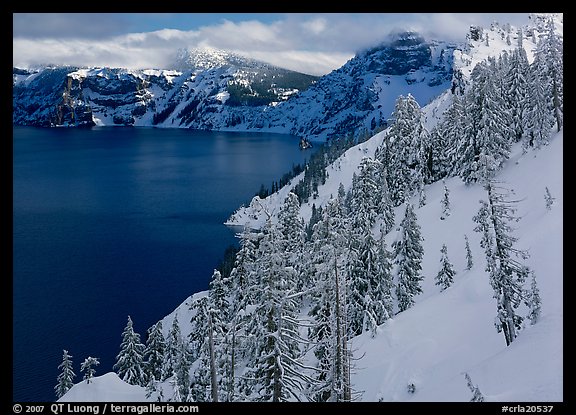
533	301
476	394
469	262
445	276
87	368
65	379
549	199
445	202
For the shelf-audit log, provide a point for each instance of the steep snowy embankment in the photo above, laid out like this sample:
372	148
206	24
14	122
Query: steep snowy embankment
446	334
449	333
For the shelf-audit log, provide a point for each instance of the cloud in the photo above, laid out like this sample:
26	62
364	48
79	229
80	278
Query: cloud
311	43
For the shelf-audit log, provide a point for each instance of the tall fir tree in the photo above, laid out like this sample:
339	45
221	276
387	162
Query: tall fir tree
507	274
66	377
365	300
408	253
276	371
329	333
154	353
130	361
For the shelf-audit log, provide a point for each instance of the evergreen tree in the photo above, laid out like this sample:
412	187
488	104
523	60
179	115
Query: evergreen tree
292	236
66	378
329	332
445	202
445	277
406	151
469	262
87	368
549	199
408	253
533	300
154	353
366	308
539	119
549	61
243	275
129	362
507	274
476	394
172	350
177	361
517	89
276	372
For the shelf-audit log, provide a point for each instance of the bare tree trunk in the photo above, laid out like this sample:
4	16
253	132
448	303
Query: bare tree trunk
213	380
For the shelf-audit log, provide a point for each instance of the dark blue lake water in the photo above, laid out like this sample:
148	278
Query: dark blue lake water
111	222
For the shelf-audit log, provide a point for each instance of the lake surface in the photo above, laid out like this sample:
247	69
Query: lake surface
113	221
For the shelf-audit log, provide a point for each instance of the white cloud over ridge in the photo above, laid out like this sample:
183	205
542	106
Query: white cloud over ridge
310	43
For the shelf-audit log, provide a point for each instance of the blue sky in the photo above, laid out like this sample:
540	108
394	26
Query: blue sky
309	42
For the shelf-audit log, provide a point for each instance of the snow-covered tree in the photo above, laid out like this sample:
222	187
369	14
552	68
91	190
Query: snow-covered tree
66	377
406	150
518	91
276	372
507	274
408	253
549	199
130	361
445	276
154	353
365	301
87	368
329	333
469	262
293	235
539	118
533	300
476	394
445	202
177	361
549	63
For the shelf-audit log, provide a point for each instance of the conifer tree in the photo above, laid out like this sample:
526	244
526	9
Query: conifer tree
445	276
66	378
87	368
154	353
533	300
408	253
276	371
130	361
329	332
445	202
549	199
469	262
507	274
476	394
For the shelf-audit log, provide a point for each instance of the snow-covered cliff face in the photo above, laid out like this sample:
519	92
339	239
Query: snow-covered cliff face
359	97
208	89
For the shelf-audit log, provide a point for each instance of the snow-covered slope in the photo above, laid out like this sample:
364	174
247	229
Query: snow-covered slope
446	334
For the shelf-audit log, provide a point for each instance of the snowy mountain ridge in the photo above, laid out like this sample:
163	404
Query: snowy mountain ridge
217	90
